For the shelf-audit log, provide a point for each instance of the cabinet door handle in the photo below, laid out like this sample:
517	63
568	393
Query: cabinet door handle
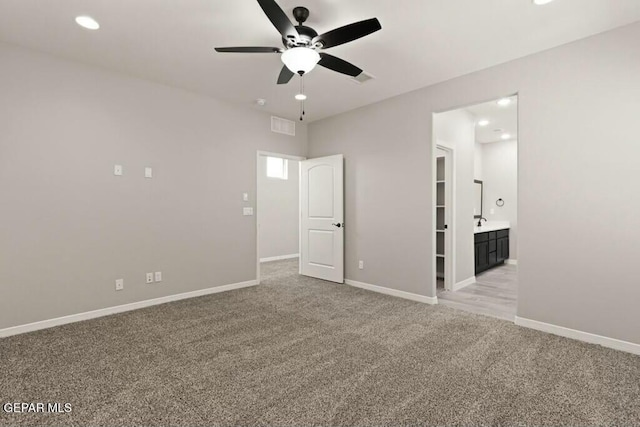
339	225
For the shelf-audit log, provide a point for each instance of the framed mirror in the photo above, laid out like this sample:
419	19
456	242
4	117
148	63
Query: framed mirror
478	191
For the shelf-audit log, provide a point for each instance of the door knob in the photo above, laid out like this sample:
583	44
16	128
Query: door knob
338	225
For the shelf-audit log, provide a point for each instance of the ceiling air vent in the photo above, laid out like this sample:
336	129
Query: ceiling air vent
284	126
363	77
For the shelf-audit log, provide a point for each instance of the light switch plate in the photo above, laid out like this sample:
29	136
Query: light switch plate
247	211
245	197
158	276
148	173
117	170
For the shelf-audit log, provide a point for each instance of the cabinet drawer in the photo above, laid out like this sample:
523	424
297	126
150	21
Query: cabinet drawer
503	233
481	237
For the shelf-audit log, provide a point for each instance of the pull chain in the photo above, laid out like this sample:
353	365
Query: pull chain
301	92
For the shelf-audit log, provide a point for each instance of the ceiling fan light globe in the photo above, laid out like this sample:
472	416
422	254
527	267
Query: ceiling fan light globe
300	60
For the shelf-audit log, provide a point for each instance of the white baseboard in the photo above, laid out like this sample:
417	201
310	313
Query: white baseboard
279	258
44	324
511	262
464	283
393	292
613	343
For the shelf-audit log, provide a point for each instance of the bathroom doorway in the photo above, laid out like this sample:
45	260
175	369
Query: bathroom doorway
483	229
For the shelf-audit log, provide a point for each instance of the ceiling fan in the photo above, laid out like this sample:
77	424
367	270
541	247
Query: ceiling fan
301	43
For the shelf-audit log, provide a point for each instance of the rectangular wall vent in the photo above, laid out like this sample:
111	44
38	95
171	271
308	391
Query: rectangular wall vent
363	77
284	126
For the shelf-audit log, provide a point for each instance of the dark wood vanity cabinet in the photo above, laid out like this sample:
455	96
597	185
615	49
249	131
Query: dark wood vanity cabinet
491	249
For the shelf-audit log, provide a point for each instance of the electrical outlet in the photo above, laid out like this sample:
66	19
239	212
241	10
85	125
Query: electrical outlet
119	284
149	277
148	173
361	265
158	275
117	170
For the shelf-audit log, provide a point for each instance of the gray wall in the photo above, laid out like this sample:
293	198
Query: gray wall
456	129
500	176
578	181
69	227
278	202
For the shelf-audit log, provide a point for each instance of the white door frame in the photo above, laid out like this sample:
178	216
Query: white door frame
283	156
450	209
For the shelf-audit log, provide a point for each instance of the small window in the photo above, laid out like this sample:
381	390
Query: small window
277	168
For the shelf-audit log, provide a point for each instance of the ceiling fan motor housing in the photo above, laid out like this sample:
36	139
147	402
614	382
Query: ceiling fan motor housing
305	40
306	34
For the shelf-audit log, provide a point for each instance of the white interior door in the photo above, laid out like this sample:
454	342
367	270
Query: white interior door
322	218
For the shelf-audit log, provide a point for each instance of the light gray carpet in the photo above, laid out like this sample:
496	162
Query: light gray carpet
298	351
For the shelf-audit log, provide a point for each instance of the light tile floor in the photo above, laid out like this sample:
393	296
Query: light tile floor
494	294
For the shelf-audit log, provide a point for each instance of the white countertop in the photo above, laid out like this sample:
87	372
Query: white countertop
490	226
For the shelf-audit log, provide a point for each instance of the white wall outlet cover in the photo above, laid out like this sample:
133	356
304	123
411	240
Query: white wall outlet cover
119	284
245	197
117	170
148	173
361	265
158	276
247	211
149	277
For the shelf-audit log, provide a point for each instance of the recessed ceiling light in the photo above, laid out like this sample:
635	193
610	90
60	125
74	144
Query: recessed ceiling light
301	97
483	123
87	22
541	2
504	102
506	136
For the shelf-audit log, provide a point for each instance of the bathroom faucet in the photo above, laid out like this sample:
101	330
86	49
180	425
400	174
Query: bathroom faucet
480	221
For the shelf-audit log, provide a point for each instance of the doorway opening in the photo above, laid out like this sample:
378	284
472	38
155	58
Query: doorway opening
277	208
476	245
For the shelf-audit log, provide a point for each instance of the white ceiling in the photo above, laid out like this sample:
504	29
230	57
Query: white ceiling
422	42
502	120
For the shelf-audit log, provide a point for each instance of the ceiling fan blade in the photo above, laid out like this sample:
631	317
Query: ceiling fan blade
248	49
348	33
285	76
340	65
279	19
